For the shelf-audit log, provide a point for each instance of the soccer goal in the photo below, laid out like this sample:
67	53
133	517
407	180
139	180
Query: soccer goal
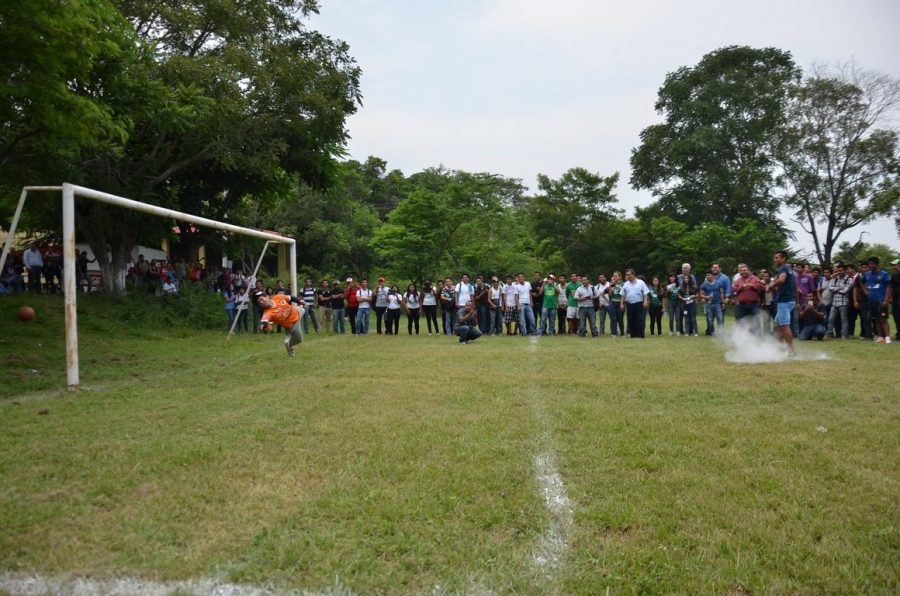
69	192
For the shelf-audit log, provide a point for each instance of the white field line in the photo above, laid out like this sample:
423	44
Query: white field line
555	540
35	585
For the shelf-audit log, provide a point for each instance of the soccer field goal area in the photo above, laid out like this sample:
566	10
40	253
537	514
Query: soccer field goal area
69	192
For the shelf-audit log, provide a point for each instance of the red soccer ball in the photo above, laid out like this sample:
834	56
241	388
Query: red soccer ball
26	313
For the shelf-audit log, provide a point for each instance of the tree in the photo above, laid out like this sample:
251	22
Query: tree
711	160
840	160
861	251
51	56
223	99
450	221
566	214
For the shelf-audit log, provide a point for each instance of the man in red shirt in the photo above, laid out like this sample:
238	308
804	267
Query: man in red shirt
352	302
746	291
279	309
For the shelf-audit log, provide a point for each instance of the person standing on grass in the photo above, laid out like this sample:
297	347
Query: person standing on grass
785	286
549	305
448	306
466	328
878	293
482	299
495	295
895	295
602	303
430	305
572	315
243	301
337	309
34	263
584	297
351	305
537	302
672	305
381	304
635	299
725	284
364	299
310	301
257	309
324	300
562	305
279	310
713	298
616	318
747	291
392	313
656	304
412	305
526	313
511	306
230	297
688	291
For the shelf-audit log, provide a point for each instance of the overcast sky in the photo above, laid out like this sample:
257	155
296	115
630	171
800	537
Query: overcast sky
522	87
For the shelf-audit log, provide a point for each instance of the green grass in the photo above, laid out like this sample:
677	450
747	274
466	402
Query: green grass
392	465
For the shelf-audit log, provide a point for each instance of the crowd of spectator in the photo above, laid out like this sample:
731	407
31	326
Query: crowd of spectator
829	303
843	301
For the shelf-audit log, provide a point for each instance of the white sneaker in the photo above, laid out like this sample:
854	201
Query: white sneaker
696	335
289	347
671	334
887	340
677	333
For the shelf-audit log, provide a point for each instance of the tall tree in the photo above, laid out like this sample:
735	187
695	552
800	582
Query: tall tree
711	160
840	161
567	212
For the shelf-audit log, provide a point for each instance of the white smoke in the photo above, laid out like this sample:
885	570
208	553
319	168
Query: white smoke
742	346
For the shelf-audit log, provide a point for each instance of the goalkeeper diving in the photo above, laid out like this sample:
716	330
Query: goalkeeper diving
279	310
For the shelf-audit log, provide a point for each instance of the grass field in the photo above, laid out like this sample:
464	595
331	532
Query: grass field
415	465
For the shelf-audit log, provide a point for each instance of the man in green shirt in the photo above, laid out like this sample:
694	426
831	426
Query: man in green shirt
549	305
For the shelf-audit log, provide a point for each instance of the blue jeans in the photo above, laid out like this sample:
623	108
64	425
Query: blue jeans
484	318
586	315
674	318
615	318
257	317
338	315
750	312
689	312
810	331
714	313
230	312
362	321
496	320
835	313
526	317
449	320
601	319
548	315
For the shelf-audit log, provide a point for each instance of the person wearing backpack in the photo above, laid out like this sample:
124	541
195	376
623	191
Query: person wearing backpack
448	304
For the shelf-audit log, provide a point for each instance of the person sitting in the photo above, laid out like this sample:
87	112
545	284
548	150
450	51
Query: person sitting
466	327
813	317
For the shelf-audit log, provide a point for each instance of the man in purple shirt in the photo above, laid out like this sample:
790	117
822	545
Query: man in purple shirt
805	285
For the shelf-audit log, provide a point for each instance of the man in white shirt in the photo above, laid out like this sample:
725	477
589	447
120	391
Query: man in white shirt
584	296
364	298
603	300
510	305
526	313
635	297
34	263
463	292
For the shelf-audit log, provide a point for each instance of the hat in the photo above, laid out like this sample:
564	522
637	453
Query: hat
895	262
349	279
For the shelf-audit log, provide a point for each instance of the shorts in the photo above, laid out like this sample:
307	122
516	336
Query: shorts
572	312
511	316
877	311
783	316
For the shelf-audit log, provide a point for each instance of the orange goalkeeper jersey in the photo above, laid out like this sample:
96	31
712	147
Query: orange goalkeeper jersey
283	313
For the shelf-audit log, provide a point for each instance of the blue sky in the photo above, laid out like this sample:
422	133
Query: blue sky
522	87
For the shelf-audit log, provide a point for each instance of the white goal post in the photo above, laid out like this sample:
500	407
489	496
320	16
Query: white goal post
69	192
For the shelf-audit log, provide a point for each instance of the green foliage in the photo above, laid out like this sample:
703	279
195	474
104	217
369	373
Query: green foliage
861	251
191	309
712	157
450	222
841	170
568	212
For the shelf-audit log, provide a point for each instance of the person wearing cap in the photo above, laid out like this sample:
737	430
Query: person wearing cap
279	310
895	295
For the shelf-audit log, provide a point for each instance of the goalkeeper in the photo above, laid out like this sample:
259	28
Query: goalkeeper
279	309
